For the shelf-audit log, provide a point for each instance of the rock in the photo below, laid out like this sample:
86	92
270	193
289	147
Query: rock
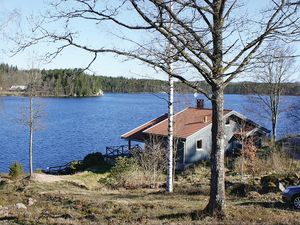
280	186
254	195
31	201
21	206
4	211
99	93
271	183
239	189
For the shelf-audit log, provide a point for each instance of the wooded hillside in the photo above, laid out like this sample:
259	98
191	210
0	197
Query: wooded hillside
74	82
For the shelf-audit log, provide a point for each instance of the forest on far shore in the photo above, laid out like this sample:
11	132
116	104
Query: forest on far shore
75	82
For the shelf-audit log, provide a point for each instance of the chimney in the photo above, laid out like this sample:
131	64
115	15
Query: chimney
200	103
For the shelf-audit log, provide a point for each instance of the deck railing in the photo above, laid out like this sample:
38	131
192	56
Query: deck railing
59	170
120	150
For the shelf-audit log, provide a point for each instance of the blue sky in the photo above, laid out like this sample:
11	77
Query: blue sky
71	58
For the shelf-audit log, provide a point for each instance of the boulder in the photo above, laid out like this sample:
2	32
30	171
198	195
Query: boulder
31	201
21	206
254	195
239	189
4	211
271	183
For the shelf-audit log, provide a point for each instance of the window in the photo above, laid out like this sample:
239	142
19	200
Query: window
199	144
227	123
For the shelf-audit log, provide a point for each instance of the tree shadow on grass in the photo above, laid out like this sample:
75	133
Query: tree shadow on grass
270	205
194	215
123	196
8	218
174	216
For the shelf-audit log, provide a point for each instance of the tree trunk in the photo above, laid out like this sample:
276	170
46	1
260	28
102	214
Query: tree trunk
216	205
170	136
243	158
273	138
171	115
30	136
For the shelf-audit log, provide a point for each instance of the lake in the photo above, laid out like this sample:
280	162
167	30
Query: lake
73	127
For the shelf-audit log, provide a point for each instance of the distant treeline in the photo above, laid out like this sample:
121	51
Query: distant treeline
131	85
68	82
58	82
74	82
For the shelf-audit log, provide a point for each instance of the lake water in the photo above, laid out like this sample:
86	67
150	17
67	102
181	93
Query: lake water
73	127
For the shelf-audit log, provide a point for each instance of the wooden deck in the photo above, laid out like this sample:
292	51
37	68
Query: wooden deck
112	152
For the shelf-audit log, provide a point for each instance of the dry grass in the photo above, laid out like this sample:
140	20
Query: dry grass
67	202
278	162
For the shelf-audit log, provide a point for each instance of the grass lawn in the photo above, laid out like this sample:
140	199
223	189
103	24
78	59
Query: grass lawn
80	199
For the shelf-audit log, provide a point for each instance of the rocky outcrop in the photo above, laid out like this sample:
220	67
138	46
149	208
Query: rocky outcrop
271	183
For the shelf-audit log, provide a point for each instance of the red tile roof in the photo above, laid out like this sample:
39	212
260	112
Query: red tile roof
186	123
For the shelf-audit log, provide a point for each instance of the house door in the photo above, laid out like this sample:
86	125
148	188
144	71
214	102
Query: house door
180	152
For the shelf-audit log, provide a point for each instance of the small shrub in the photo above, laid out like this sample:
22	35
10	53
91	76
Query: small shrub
264	152
94	159
197	173
15	170
126	173
38	171
3	183
74	167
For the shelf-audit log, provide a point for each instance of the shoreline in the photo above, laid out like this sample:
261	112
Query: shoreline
21	94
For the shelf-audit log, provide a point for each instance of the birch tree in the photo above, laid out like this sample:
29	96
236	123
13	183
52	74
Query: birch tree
213	40
170	113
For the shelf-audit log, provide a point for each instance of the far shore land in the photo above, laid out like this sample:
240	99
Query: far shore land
24	94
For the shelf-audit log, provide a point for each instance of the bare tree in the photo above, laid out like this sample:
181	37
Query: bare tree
250	154
153	159
273	70
241	137
294	113
32	113
213	40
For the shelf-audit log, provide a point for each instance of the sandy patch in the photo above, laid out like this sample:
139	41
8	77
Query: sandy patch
46	178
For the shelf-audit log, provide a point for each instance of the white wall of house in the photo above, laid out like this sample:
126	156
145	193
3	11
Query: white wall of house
193	154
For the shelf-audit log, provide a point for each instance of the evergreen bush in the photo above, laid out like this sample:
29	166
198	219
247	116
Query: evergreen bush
15	170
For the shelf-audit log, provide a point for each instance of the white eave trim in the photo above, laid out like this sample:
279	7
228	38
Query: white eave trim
122	136
257	126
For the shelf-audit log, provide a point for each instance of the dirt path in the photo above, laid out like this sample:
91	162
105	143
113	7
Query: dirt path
46	178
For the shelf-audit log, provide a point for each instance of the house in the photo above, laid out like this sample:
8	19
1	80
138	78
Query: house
192	131
18	88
